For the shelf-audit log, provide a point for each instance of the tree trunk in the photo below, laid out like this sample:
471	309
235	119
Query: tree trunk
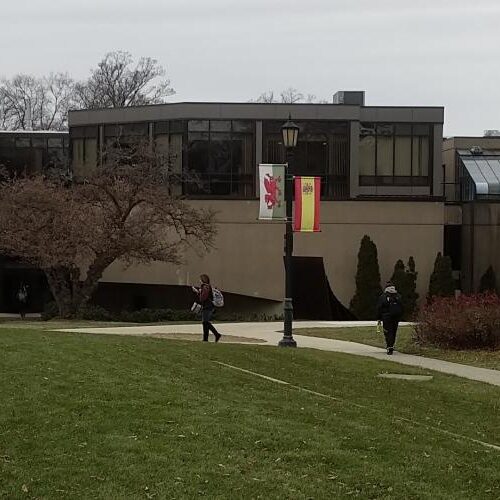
60	285
87	287
69	292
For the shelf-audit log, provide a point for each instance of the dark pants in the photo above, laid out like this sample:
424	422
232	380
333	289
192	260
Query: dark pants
390	330
206	316
22	309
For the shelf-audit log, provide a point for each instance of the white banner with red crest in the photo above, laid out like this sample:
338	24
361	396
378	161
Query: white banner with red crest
272	191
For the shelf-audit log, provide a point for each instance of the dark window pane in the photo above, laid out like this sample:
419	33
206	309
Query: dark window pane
7	140
161	128
55	142
220	126
402	155
91	132
317	158
198	126
403	181
134	129
177	126
367	155
402	129
39	142
368	180
275	151
421	129
77	132
242	126
198	136
420	162
23	142
111	131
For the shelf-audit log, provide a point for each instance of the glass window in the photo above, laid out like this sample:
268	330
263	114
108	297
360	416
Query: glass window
90	152
220	126
322	150
367	149
402	156
134	129
198	126
6	139
161	128
242	126
111	131
177	126
39	142
219	161
23	142
78	151
385	150
420	156
55	142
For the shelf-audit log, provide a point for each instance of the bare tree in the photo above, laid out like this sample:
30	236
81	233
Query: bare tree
288	96
116	82
291	96
125	211
31	103
266	97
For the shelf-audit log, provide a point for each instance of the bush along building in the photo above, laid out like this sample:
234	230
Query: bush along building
382	176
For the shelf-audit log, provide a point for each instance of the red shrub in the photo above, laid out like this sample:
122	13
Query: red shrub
466	322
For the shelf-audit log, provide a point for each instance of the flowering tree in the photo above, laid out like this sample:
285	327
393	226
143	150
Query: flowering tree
127	210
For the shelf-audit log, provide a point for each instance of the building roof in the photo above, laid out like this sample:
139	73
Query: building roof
256	111
484	169
35	132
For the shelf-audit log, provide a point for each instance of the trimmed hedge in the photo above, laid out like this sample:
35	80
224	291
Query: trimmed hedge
466	322
98	313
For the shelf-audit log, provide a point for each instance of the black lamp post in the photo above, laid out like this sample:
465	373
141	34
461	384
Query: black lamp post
290	133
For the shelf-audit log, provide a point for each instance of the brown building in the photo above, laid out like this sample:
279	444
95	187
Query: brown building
381	170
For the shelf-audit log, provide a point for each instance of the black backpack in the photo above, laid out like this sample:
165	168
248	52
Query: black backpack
394	306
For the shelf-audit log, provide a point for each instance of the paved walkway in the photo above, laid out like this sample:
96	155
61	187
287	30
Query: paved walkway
269	334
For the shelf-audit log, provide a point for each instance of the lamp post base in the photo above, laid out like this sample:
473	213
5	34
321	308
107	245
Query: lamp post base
287	342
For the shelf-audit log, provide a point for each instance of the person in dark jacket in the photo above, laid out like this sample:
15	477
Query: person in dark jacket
22	300
205	299
389	312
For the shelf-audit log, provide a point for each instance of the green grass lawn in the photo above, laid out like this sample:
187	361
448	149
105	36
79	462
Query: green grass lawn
89	416
404	343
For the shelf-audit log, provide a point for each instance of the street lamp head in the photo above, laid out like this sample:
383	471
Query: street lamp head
290	133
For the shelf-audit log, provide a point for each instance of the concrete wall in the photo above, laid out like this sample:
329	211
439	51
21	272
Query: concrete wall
248	258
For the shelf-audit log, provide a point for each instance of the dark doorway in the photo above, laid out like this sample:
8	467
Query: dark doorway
312	296
14	273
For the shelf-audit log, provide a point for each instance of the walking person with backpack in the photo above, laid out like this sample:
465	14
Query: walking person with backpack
208	298
390	311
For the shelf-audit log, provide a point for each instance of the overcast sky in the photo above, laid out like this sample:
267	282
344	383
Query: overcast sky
402	52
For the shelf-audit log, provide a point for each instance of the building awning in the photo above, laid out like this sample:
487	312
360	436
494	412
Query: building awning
484	170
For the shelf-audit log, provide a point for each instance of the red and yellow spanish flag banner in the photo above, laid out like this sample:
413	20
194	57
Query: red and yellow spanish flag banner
307	191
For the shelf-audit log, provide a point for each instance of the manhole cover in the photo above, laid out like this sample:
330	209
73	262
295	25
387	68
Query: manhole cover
400	376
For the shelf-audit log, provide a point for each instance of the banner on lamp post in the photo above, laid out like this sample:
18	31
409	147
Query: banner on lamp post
307	195
272	191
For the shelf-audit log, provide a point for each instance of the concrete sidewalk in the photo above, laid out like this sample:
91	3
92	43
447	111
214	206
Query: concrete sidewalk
270	334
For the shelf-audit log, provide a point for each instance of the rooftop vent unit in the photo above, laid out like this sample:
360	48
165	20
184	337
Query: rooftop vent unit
476	150
352	97
492	133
